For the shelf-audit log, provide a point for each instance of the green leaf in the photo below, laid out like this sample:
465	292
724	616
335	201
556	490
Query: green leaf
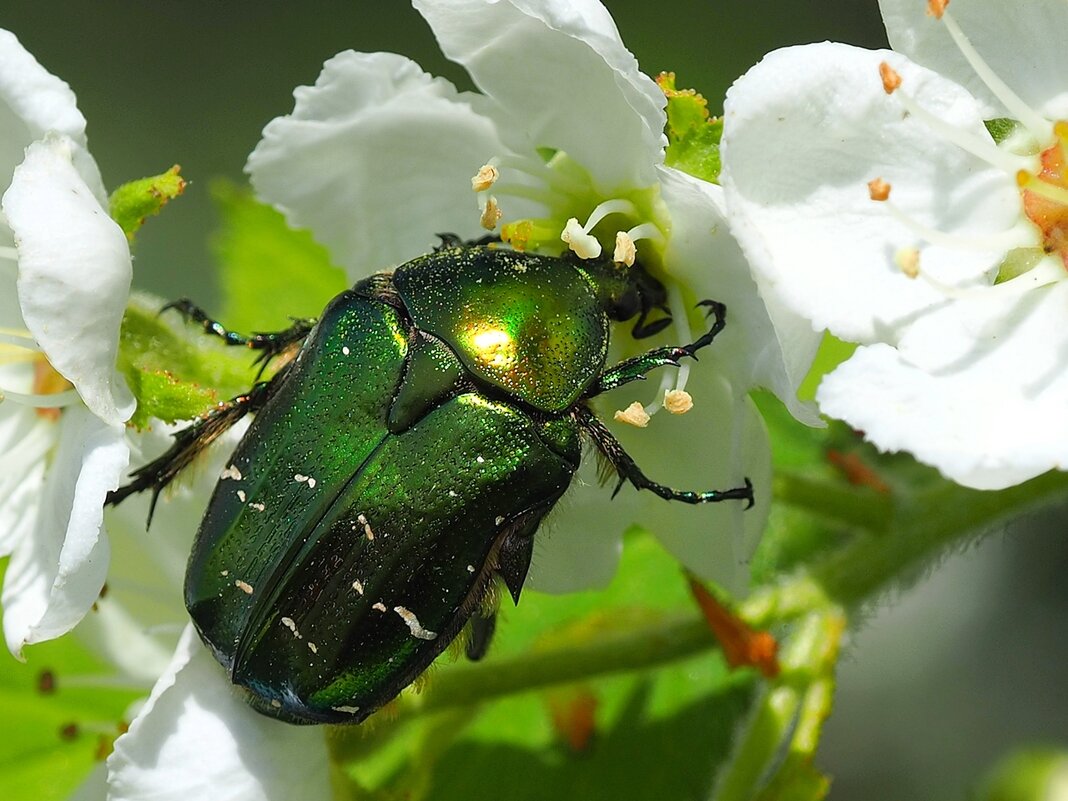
173	369
1002	128
269	273
693	136
132	202
50	741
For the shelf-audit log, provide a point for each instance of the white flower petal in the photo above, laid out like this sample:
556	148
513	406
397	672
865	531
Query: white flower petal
805	130
74	274
25	440
978	389
1021	42
376	158
717	445
561	72
579	544
32	103
196	738
56	573
754	350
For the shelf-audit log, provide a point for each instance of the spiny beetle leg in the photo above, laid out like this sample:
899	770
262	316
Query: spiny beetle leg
270	343
189	443
635	368
627	470
642	329
450	240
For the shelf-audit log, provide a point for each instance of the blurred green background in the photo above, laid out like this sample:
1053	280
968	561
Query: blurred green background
938	683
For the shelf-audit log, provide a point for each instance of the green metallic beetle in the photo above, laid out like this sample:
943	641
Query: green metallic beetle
400	463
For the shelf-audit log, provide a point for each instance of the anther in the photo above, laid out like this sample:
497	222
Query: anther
878	189
1032	183
936	8
486	177
633	415
908	261
891	77
491	214
678	401
625	250
582	243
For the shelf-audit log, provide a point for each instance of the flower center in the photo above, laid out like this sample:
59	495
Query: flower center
1039	173
1045	195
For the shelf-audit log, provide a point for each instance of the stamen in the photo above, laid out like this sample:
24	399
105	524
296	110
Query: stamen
55	400
633	415
1048	271
681	319
19	341
618	206
1012	238
1032	183
681	322
646	231
584	245
1036	124
981	149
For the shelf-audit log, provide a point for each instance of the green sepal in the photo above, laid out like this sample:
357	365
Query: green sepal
132	202
269	273
1001	128
693	136
173	369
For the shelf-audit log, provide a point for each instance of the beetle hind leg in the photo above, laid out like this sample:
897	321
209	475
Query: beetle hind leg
189	443
627	470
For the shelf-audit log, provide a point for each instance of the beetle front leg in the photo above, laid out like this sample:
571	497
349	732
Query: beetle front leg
627	470
270	343
634	369
189	443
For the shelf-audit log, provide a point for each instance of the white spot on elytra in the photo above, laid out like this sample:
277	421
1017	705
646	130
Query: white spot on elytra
259	507
345	350
349	710
276	703
479	459
231	472
413	623
498	520
289	624
358	586
381	607
470	568
302	479
241	496
224	573
367	532
313	647
244	586
452	493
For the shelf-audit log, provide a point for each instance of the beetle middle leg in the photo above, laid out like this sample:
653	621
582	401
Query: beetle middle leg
628	470
269	343
190	442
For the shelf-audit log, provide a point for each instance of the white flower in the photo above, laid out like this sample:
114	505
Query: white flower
64	278
195	737
378	156
963	363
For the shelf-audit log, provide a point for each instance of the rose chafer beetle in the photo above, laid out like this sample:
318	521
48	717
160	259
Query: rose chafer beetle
400	464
